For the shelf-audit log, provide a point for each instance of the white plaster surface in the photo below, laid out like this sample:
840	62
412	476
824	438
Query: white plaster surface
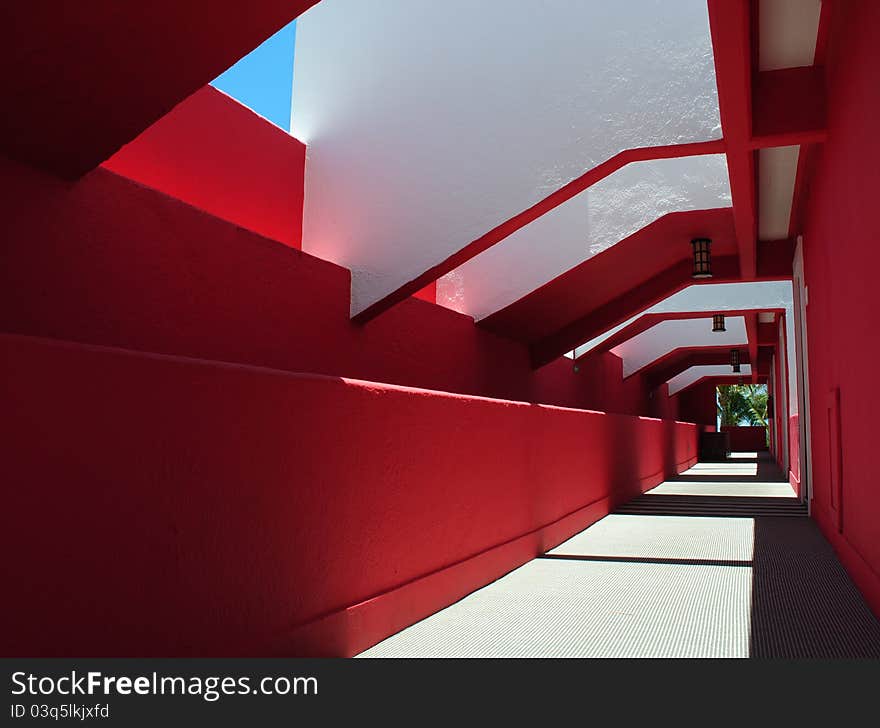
777	170
688	377
589	223
430	123
660	339
788	33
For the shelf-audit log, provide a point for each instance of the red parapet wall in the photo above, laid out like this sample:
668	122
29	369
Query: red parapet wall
746	439
159	505
111	262
215	154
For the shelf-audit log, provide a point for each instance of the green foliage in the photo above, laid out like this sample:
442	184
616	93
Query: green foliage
743	404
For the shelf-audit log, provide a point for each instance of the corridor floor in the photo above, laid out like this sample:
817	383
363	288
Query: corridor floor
718	562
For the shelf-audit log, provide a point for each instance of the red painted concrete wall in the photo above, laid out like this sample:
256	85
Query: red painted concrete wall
697	403
598	384
842	257
107	261
215	154
177	507
748	439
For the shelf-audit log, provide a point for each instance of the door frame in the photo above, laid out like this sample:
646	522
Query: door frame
801	301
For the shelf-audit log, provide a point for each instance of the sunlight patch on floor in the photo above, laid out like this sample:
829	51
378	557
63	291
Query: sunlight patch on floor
666	537
569	608
744	489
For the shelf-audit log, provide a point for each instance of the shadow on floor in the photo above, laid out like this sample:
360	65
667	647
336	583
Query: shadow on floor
691	569
804	604
766	471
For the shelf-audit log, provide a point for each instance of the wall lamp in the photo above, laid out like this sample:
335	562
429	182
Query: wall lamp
718	322
734	360
702	258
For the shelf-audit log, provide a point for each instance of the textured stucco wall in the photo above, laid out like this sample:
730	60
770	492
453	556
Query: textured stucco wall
612	209
227	510
109	261
428	124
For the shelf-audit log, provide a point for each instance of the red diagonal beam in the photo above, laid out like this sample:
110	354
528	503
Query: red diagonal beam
80	79
730	25
615	312
645	322
718	379
680	360
555	199
789	107
773	264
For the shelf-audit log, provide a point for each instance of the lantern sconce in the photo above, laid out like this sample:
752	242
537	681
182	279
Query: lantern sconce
718	322
702	257
734	360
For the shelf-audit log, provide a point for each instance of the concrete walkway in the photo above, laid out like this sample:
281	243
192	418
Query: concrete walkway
719	562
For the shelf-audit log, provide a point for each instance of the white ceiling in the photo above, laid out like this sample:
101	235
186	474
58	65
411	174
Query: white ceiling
711	298
666	336
721	297
788	30
593	221
428	124
777	169
694	374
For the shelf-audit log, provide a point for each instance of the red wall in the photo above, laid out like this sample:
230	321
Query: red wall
697	403
215	154
842	257
164	506
748	439
107	261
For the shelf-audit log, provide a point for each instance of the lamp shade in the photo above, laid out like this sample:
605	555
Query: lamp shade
702	257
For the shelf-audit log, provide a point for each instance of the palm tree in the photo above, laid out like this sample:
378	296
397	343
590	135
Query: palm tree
743	404
756	396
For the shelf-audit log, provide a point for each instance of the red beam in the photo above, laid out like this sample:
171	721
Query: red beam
767	334
645	322
774	263
730	25
718	380
805	166
612	273
699	355
775	259
752	336
789	107
654	290
680	360
555	199
81	79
